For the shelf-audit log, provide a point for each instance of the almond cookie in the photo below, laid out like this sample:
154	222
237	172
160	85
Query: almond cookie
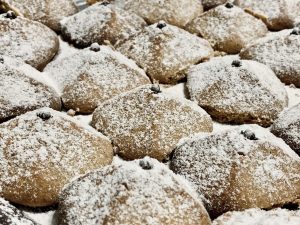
43	150
241	168
261	217
9	215
48	12
148	122
228	28
278	51
29	41
165	51
23	91
131	193
100	23
276	14
287	127
237	91
93	75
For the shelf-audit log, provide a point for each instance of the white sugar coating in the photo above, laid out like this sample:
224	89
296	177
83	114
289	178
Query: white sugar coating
277	50
30	41
177	13
215	162
141	122
12	216
228	29
247	89
287	126
100	22
20	93
278	14
47	152
167	52
43	218
261	217
108	68
47	12
125	193
294	95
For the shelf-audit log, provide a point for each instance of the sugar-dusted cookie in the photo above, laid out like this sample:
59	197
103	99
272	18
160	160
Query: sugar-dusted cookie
240	168
166	51
131	193
42	150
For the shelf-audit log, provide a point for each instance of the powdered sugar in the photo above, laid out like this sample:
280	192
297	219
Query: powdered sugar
261	217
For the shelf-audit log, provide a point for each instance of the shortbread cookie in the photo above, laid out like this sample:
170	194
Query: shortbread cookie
237	91
48	12
30	41
93	75
261	217
100	23
9	215
165	51
43	150
228	28
22	91
278	51
277	14
131	193
287	127
241	168
146	122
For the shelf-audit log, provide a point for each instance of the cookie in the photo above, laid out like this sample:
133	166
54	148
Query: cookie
287	127
21	91
240	168
237	91
177	13
48	12
131	193
165	51
148	122
277	51
228	28
93	75
9	215
261	217
276	14
43	150
100	23
29	41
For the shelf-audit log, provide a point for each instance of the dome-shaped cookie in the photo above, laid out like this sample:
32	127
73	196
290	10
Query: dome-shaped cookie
99	23
29	41
165	51
93	75
280	52
48	12
287	127
146	122
237	91
228	28
261	217
241	168
9	215
41	151
131	193
22	91
177	13
277	14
